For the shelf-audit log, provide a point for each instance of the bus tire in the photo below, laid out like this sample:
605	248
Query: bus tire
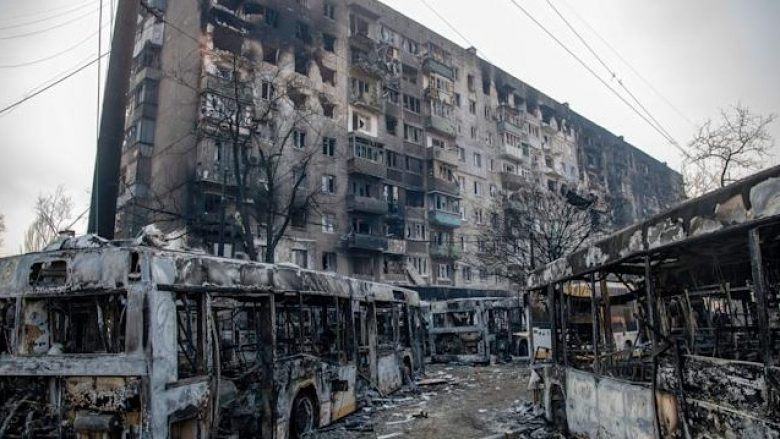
303	415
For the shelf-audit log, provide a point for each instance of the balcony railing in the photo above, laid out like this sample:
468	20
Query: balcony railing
396	246
507	126
512	182
444	218
368	100
440	185
446	251
356	203
444	155
358	165
432	65
360	241
227	88
441	125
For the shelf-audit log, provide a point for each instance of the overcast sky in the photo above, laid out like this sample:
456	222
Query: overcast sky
699	54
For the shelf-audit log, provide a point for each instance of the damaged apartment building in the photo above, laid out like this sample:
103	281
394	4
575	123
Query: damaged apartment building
414	137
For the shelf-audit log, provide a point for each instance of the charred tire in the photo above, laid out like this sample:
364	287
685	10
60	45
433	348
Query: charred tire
303	415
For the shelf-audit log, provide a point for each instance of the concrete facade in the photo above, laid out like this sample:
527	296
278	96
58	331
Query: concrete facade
447	134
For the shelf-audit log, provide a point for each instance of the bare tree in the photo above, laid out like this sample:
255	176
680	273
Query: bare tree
53	214
727	149
268	122
531	227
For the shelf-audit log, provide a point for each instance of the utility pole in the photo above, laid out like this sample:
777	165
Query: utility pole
105	182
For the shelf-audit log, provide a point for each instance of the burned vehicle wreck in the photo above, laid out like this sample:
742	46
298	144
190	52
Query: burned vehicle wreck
703	283
475	330
103	340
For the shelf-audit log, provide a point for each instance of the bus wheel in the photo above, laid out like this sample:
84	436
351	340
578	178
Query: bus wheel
303	416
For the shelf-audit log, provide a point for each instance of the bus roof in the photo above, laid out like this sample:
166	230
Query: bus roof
91	264
750	202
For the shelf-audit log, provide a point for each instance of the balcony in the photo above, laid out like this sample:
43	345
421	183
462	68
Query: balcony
396	246
445	251
444	218
227	88
507	126
359	241
441	125
444	155
357	165
368	100
375	206
432	65
444	186
512	182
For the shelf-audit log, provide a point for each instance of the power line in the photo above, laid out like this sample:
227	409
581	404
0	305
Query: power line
49	86
47	58
453	28
40	20
609	70
631	67
596	75
41	31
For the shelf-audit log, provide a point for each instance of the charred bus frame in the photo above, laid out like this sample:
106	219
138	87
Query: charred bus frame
705	278
476	329
134	341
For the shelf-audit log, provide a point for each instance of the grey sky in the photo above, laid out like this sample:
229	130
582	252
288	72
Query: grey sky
701	55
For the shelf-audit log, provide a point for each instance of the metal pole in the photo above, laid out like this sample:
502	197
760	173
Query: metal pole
222	202
105	182
594	316
760	291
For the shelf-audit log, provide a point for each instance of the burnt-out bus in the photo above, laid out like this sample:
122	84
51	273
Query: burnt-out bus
476	329
100	340
701	287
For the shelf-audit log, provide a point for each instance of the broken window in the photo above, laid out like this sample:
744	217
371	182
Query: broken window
271	55
73	325
358	25
329	43
385	329
328	75
298	99
7	325
391	124
298	218
329	261
409	74
300	257
301	63
190	334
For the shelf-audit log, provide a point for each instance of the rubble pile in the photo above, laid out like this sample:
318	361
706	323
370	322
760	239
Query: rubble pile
524	420
450	401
